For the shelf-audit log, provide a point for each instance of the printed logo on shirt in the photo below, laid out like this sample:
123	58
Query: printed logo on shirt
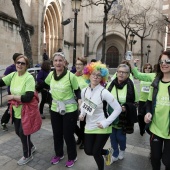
60	87
163	100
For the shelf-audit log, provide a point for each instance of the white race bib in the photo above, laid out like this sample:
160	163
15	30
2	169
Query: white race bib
145	89
89	107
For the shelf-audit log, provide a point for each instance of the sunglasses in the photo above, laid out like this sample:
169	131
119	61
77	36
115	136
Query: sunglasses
59	54
164	61
20	63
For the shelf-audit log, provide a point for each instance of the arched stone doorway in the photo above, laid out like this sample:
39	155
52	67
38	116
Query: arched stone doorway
52	29
112	57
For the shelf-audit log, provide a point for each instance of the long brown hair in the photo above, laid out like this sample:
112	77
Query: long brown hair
158	71
145	66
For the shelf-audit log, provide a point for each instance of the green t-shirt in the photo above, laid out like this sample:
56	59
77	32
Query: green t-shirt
81	81
144	90
19	85
106	130
160	121
62	90
149	77
122	93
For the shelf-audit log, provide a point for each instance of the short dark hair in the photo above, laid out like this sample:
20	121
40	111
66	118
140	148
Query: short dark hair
46	65
93	60
59	50
16	55
25	58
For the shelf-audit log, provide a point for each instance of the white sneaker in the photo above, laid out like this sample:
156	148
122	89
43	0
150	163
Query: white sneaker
33	149
24	160
121	155
113	159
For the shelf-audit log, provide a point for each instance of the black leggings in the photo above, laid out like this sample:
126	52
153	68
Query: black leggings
63	127
160	149
93	146
25	139
79	131
45	98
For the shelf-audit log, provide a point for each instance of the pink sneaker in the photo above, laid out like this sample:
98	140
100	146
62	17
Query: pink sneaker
70	163
56	159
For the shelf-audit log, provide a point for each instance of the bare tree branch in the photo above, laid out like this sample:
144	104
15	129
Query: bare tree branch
23	31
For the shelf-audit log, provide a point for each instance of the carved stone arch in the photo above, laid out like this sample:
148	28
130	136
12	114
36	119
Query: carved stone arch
114	50
51	27
112	57
108	33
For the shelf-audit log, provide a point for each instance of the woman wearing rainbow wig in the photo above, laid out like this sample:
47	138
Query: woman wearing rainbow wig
97	129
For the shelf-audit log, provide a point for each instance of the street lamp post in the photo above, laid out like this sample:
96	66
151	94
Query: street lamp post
132	41
75	7
148	47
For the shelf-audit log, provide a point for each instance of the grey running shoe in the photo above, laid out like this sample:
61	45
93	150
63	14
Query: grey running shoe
4	127
24	160
33	149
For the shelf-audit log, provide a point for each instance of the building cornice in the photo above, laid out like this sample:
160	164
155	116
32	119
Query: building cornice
12	20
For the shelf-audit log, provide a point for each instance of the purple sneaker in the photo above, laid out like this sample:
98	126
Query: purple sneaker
56	159
70	163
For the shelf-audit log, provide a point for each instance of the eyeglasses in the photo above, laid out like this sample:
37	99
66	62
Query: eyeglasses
147	68
79	64
20	63
98	76
122	72
164	61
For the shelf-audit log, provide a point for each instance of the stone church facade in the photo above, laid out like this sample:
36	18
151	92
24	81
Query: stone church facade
44	17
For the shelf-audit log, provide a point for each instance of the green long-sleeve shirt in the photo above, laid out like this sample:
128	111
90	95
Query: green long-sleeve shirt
146	80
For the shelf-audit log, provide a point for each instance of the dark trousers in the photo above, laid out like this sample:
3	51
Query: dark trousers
63	127
160	149
141	115
45	98
79	131
6	116
93	146
26	140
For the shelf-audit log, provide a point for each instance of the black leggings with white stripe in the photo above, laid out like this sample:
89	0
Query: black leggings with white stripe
26	140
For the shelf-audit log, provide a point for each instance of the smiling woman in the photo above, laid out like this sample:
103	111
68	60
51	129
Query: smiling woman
125	92
22	64
64	108
97	129
158	114
22	87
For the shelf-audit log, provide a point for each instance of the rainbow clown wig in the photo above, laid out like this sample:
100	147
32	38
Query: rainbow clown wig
96	66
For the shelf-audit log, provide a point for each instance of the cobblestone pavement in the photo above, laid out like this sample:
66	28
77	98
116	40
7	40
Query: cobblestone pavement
136	155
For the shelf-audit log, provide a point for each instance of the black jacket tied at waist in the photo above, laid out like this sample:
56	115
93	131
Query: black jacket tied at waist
126	119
